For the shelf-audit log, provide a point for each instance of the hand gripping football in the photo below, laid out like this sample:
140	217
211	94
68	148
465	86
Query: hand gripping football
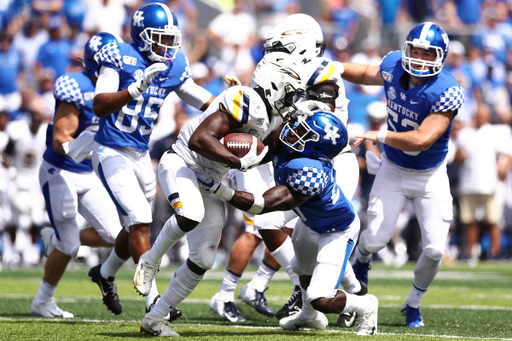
239	144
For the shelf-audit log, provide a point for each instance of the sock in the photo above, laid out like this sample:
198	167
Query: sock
262	277
153	293
283	255
415	296
308	312
167	238
361	257
227	289
349	282
111	265
45	293
182	284
359	304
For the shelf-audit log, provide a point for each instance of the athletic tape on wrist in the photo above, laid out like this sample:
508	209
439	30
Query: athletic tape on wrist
257	206
381	136
224	192
134	91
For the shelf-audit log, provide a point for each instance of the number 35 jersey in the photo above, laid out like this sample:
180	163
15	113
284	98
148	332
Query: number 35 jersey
132	125
329	210
408	108
244	105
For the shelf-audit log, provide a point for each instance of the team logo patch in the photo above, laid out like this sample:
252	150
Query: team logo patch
391	93
252	132
89	96
129	60
138	75
403	97
260	121
387	76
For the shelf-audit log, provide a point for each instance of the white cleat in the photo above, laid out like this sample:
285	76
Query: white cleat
46	235
227	310
297	321
49	309
157	327
144	275
367	323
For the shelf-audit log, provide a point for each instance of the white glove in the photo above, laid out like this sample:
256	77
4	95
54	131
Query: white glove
372	162
232	81
80	148
309	107
138	87
210	182
251	160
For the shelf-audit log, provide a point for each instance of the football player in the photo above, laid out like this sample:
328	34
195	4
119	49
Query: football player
134	80
301	36
327	231
422	100
71	188
257	111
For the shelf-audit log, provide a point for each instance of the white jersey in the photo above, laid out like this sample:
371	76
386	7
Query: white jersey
246	106
321	70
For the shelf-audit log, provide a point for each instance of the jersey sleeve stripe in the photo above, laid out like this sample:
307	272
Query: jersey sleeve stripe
245	109
317	72
328	74
236	106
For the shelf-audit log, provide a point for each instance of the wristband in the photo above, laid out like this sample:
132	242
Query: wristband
134	91
257	206
381	136
224	192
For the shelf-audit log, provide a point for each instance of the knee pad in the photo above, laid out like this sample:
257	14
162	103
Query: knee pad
370	244
433	253
206	257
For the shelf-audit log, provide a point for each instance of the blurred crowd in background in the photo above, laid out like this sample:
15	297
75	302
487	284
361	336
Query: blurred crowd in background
43	39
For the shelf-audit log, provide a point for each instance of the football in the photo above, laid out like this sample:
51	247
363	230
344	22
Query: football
239	144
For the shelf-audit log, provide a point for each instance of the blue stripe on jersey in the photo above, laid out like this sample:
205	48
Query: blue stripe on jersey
105	184
319	70
245	109
46	194
350	247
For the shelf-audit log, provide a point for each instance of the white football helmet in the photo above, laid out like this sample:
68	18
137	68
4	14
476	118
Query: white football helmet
307	22
298	42
280	76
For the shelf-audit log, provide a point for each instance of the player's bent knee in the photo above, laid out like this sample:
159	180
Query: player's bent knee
433	253
206	257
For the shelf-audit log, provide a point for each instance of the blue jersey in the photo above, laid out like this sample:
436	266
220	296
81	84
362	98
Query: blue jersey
76	89
408	108
132	125
329	210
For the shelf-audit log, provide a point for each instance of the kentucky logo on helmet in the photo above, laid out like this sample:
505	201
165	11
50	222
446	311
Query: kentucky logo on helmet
95	43
138	19
331	134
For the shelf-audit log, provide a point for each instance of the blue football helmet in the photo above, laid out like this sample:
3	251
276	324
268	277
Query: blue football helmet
427	36
320	136
155	26
93	46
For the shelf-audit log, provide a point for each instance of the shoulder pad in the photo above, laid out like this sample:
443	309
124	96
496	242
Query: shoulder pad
67	89
320	70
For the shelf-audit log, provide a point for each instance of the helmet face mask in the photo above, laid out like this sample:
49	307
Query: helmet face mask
278	74
154	31
427	36
320	136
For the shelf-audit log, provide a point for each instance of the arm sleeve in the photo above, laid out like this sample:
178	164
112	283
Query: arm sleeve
108	81
193	94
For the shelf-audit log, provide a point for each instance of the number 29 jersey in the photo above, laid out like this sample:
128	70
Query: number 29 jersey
329	210
408	108
132	125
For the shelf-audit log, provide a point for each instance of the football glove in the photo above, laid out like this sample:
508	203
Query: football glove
251	159
232	81
209	182
139	86
308	108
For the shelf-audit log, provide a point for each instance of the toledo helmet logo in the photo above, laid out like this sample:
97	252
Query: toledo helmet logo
287	71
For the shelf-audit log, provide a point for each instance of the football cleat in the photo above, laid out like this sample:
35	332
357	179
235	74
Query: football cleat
144	275
226	310
174	314
367	323
346	320
256	299
157	327
413	317
297	321
293	306
49	309
361	271
46	235
108	289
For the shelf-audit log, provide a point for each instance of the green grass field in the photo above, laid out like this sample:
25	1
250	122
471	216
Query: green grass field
463	303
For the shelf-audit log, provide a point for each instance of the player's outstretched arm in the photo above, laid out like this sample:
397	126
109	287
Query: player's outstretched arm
430	130
361	73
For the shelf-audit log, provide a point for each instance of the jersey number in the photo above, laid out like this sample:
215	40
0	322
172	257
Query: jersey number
405	123
131	115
